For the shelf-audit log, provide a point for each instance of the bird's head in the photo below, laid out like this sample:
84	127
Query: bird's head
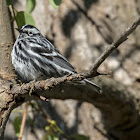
28	31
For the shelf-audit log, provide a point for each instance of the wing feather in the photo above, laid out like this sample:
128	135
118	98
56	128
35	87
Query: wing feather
50	57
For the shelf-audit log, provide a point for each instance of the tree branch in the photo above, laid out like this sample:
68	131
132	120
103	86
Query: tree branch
58	87
121	38
50	83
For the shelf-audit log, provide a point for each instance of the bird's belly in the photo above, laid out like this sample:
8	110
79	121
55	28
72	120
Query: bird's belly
25	73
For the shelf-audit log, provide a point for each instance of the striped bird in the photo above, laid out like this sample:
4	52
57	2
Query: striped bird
35	58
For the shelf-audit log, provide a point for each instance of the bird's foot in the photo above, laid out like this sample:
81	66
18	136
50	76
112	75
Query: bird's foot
21	86
32	87
48	87
51	83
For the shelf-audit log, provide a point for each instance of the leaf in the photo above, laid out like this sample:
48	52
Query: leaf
9	2
47	128
50	135
23	18
18	111
17	123
79	137
31	121
30	5
34	105
52	131
59	130
55	127
55	3
53	138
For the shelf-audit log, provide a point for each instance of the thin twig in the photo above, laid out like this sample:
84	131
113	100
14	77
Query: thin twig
23	122
121	38
104	73
41	97
43	113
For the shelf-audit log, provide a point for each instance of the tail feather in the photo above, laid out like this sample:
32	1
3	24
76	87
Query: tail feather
93	86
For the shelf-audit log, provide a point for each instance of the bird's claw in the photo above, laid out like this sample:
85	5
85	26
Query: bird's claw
21	86
49	86
51	83
32	87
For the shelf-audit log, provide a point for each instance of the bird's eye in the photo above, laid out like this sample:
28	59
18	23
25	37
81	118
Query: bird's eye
30	33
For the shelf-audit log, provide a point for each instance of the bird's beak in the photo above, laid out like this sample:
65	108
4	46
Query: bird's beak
18	30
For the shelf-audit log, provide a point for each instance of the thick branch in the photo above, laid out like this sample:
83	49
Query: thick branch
76	77
116	102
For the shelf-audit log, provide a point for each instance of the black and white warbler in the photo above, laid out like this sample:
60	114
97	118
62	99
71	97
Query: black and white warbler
34	58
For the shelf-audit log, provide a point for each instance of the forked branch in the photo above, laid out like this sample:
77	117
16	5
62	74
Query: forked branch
88	74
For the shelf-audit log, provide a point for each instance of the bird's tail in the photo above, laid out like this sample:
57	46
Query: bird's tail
93	86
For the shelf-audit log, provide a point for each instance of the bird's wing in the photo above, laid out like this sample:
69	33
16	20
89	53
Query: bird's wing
50	55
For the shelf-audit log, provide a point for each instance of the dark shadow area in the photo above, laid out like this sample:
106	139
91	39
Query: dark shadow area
99	47
107	37
54	115
68	50
9	138
128	55
69	21
105	31
115	53
67	24
13	136
88	3
72	17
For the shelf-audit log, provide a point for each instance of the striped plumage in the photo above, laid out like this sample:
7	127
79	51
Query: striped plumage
35	58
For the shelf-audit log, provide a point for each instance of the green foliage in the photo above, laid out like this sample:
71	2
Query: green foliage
55	3
18	111
30	4
79	137
9	2
53	126
53	131
23	18
31	121
17	124
50	137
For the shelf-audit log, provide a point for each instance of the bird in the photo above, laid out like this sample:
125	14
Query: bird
35	58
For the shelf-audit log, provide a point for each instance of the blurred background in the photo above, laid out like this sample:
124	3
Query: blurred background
82	30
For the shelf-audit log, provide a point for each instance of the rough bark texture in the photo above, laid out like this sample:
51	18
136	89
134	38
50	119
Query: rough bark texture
6	69
6	42
82	30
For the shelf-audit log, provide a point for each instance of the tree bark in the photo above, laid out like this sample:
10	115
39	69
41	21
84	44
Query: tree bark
6	69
